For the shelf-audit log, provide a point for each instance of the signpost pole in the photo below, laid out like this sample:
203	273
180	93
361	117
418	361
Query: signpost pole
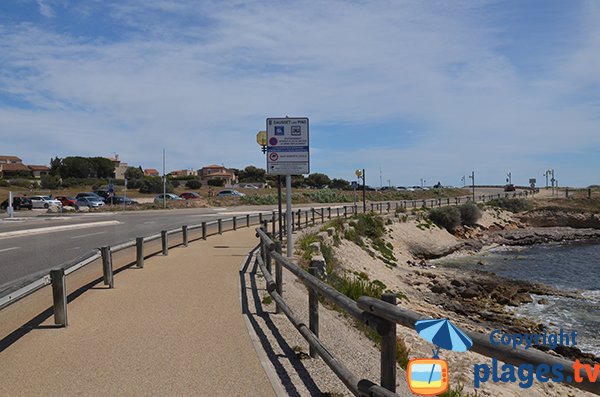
279	207
290	242
364	194
10	209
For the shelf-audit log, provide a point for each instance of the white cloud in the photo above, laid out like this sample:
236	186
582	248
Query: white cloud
199	79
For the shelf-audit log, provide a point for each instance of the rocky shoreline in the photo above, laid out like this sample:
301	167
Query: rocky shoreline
484	297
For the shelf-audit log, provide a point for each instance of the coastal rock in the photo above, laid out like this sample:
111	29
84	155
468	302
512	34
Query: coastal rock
545	217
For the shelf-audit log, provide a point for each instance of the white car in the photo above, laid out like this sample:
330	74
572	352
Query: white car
44	202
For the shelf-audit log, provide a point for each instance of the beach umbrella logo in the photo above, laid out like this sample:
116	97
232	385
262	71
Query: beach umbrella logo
429	376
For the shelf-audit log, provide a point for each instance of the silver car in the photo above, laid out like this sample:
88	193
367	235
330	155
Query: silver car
44	202
88	201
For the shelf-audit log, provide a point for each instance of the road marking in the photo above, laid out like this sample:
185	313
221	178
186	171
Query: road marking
9	249
149	222
87	235
52	229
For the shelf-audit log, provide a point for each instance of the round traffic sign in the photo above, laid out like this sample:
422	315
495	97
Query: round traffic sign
273	156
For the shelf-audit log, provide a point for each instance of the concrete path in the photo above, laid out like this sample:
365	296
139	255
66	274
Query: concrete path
174	328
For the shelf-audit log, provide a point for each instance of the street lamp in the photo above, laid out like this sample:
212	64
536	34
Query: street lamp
423	183
472	177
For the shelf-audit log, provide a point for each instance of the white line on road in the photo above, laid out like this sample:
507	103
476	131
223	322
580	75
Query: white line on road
51	229
149	222
87	235
9	249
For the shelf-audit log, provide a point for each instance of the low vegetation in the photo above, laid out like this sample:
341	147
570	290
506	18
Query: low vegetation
511	204
451	217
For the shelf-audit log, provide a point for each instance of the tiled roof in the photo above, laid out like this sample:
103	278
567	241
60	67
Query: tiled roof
7	158
38	168
13	167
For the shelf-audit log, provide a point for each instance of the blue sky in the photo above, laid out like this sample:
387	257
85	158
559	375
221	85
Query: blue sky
416	89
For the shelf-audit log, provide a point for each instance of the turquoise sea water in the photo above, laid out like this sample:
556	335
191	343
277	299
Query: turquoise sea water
565	266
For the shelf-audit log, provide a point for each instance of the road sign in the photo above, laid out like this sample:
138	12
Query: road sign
287	146
354	184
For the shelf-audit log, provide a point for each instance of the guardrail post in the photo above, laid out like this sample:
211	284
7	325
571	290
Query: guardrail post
184	234
59	296
388	348
345	212
372	206
278	275
234	219
107	270
247	220
355	209
329	212
273	222
322	215
313	216
306	218
139	252
313	310
220	225
337	212
299	219
203	230
260	216
164	237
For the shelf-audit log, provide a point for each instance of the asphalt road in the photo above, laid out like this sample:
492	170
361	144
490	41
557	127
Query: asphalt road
36	242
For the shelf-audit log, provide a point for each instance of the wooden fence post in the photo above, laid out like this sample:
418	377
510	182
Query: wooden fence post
247	220
278	275
184	234
388	348
313	310
204	232
139	252
59	296
107	270
164	237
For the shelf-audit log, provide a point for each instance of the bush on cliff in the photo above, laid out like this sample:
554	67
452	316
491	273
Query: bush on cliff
469	214
512	205
446	217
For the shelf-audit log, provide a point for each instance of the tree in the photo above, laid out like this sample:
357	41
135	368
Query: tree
50	181
339	184
193	184
318	180
102	167
134	173
216	182
251	174
154	184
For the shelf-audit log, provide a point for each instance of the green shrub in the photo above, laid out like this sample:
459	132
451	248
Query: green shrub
216	182
175	182
267	199
27	183
354	287
50	182
3	182
512	205
446	217
154	184
327	196
369	225
193	184
469	214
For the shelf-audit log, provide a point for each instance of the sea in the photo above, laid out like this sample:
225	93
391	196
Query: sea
572	267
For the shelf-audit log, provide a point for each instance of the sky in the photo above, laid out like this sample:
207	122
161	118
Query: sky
407	90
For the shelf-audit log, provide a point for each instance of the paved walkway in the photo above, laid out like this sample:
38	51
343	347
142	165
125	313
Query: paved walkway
174	328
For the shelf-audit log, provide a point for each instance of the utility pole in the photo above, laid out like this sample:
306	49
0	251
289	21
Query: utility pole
472	177
380	179
164	182
464	180
509	179
423	183
360	175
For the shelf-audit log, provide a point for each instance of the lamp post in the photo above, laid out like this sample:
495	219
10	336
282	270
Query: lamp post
509	179
423	183
361	175
472	177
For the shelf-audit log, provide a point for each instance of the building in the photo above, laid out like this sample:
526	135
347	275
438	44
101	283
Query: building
14	170
183	173
217	172
151	172
39	170
120	167
10	160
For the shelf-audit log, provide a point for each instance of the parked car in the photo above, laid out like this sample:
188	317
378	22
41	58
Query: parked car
510	188
249	186
90	194
67	201
102	193
230	193
169	197
88	201
44	202
17	203
120	200
189	195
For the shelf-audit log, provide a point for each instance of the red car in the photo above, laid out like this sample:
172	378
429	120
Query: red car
67	201
189	195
